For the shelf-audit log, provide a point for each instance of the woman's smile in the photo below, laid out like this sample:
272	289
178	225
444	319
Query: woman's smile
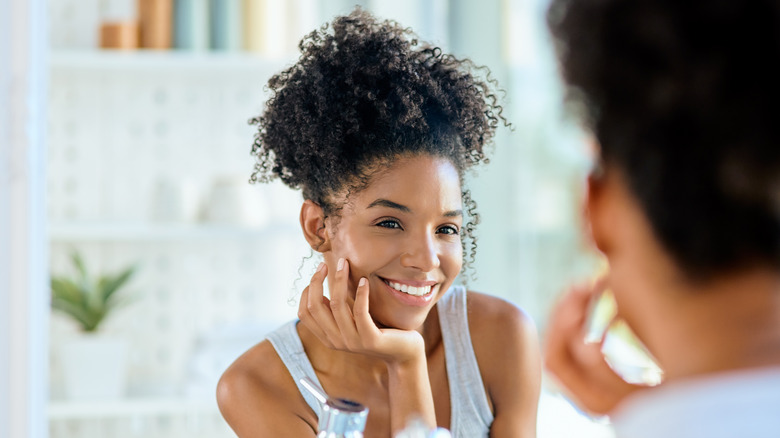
416	288
411	295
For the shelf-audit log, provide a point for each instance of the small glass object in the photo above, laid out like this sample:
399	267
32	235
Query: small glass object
341	418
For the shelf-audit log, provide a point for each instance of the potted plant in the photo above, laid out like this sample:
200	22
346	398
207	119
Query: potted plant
93	363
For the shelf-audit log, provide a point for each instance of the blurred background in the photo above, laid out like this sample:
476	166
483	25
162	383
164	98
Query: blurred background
148	163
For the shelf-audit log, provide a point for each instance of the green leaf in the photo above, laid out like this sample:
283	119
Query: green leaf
65	289
108	285
78	262
88	301
82	316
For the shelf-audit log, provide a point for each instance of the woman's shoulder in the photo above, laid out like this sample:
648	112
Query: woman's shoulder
253	372
257	393
501	329
488	313
506	346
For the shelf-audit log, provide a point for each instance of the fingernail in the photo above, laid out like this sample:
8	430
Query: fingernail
322	265
340	265
362	282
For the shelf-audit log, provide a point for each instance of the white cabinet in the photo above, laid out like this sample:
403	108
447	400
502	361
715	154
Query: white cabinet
132	133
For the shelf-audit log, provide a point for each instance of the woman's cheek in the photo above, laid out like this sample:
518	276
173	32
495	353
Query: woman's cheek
454	258
360	253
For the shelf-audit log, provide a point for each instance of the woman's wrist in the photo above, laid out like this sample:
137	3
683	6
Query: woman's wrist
411	397
407	366
412	355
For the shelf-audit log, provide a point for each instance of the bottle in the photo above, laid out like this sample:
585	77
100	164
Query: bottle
417	429
340	418
226	26
156	23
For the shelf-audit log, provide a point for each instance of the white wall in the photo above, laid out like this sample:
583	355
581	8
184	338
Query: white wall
23	253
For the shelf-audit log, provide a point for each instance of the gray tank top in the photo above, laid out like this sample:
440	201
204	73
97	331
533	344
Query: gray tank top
470	414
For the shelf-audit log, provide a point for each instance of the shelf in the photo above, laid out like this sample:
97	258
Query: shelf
172	60
131	407
118	231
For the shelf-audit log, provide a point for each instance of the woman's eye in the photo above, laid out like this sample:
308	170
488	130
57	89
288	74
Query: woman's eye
389	223
448	229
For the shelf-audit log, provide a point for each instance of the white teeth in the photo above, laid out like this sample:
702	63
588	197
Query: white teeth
411	290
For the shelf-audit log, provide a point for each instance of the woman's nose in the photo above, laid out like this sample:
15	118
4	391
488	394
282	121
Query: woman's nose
421	253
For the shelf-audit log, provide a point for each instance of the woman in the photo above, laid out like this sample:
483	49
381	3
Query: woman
377	132
682	98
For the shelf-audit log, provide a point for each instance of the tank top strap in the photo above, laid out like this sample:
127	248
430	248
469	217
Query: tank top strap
288	346
470	412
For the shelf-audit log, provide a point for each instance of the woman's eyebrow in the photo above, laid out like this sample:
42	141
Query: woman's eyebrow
390	204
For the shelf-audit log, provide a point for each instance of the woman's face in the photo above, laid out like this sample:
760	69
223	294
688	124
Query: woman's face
402	233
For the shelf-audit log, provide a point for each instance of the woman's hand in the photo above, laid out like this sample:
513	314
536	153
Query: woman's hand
346	325
578	365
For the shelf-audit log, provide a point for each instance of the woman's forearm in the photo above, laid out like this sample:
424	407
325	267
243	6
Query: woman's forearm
410	394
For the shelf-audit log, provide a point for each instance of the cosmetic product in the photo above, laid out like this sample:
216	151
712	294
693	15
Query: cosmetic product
119	35
264	27
156	22
225	25
191	24
340	418
417	429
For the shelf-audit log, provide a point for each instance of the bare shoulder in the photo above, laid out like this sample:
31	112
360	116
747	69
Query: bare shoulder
503	335
257	396
506	345
492	317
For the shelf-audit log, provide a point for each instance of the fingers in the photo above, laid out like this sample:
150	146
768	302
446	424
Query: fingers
341	305
571	315
578	365
565	335
365	325
314	309
307	319
331	320
568	317
341	322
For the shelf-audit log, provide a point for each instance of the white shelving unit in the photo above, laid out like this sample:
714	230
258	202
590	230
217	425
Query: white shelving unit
157	60
129	408
121	122
151	232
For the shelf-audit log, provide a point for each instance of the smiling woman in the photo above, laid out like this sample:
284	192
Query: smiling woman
377	131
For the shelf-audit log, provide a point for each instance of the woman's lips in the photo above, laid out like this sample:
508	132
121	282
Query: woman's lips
415	293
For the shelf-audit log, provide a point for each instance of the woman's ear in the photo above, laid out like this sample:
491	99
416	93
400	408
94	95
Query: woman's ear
313	226
597	215
611	211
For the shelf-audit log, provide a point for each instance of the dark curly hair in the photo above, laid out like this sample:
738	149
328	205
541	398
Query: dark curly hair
683	98
362	95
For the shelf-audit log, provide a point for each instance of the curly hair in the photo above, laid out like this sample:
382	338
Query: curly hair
362	94
682	97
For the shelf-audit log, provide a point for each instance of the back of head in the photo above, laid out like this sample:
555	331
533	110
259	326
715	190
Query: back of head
682	97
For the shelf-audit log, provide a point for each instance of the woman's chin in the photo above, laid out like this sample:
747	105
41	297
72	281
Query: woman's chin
409	323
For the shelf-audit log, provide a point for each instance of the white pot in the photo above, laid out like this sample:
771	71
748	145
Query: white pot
233	201
94	367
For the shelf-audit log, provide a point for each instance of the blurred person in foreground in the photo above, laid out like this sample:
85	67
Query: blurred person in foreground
682	99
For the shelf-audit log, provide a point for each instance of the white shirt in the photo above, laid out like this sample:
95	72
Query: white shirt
744	404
